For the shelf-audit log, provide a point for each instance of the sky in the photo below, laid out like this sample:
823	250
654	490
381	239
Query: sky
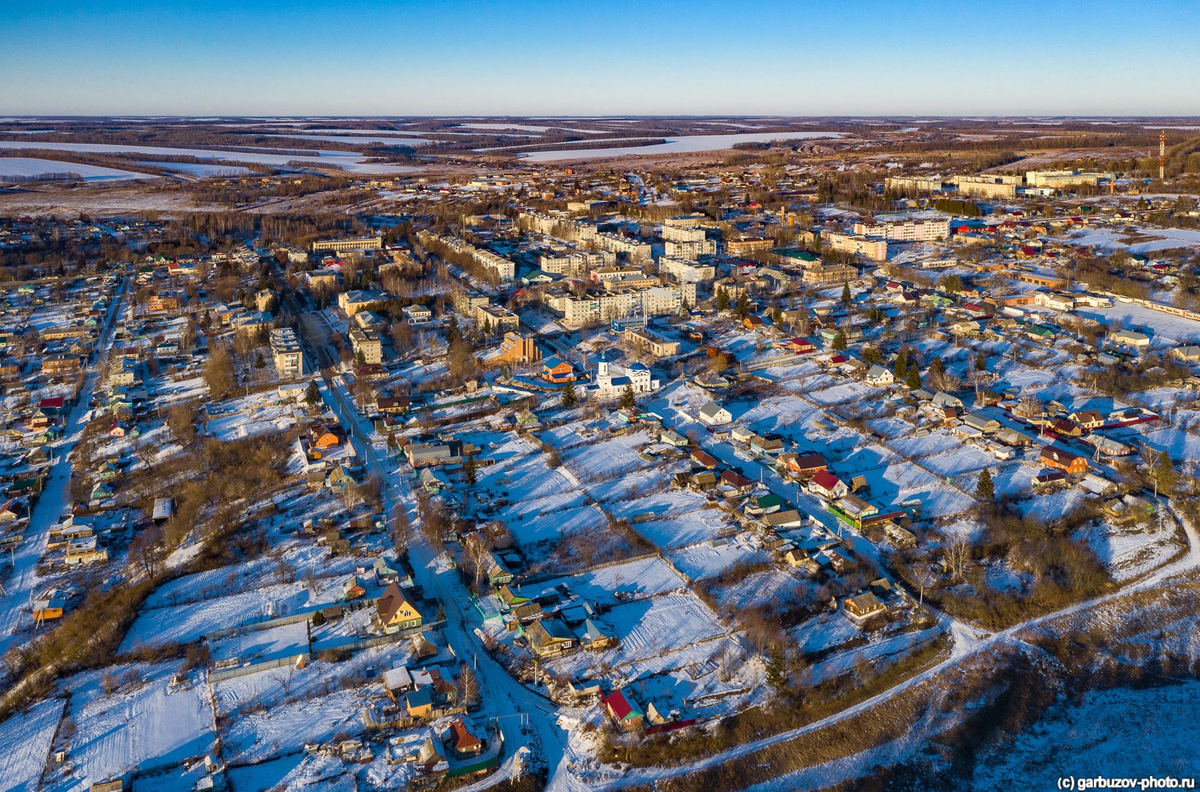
599	57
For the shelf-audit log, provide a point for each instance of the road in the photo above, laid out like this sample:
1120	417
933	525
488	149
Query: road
24	580
525	718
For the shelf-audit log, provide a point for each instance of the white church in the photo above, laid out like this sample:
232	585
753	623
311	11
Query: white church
610	386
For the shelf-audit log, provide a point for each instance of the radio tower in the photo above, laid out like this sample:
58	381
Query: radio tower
1162	153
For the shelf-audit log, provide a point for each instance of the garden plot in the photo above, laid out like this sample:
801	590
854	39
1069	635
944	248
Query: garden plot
703	561
550	526
713	678
27	738
1129	551
822	633
640	579
892	428
285	728
296	561
637	483
1178	443
681	530
138	725
846	392
647	629
608	458
524	478
318	678
774	413
776	587
905	481
258	646
265	775
892	646
964	459
1053	505
186	623
920	447
667	503
261	413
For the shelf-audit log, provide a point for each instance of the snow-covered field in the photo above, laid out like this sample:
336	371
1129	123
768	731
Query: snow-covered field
345	160
1109	733
186	623
27	738
138	725
34	166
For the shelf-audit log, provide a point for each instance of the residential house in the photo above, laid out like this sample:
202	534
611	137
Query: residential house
714	414
862	607
1064	460
550	638
622	708
557	371
828	486
395	612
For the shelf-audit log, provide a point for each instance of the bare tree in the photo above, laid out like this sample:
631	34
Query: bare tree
285	678
957	555
469	684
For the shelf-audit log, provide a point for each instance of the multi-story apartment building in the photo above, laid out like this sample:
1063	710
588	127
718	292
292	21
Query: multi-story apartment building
498	265
286	352
914	183
829	274
577	263
907	230
690	250
633	249
652	343
620	304
366	342
989	186
874	249
498	317
740	247
1063	178
348	245
672	233
686	271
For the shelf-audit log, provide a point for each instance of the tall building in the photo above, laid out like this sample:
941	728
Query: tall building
907	230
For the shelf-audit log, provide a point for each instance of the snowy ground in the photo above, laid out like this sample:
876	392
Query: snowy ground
138	725
27	737
1108	733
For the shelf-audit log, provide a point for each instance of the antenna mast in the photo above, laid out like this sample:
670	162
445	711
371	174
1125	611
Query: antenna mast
1162	153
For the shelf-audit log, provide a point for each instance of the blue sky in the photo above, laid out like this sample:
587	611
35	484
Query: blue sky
599	57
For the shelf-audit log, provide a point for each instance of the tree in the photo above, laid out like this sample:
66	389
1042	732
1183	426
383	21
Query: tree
981	362
318	618
1162	472
847	297
777	316
839	341
181	420
776	669
985	488
218	373
569	397
913	379
952	283
470	685
627	398
722	300
743	306
469	470
312	395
